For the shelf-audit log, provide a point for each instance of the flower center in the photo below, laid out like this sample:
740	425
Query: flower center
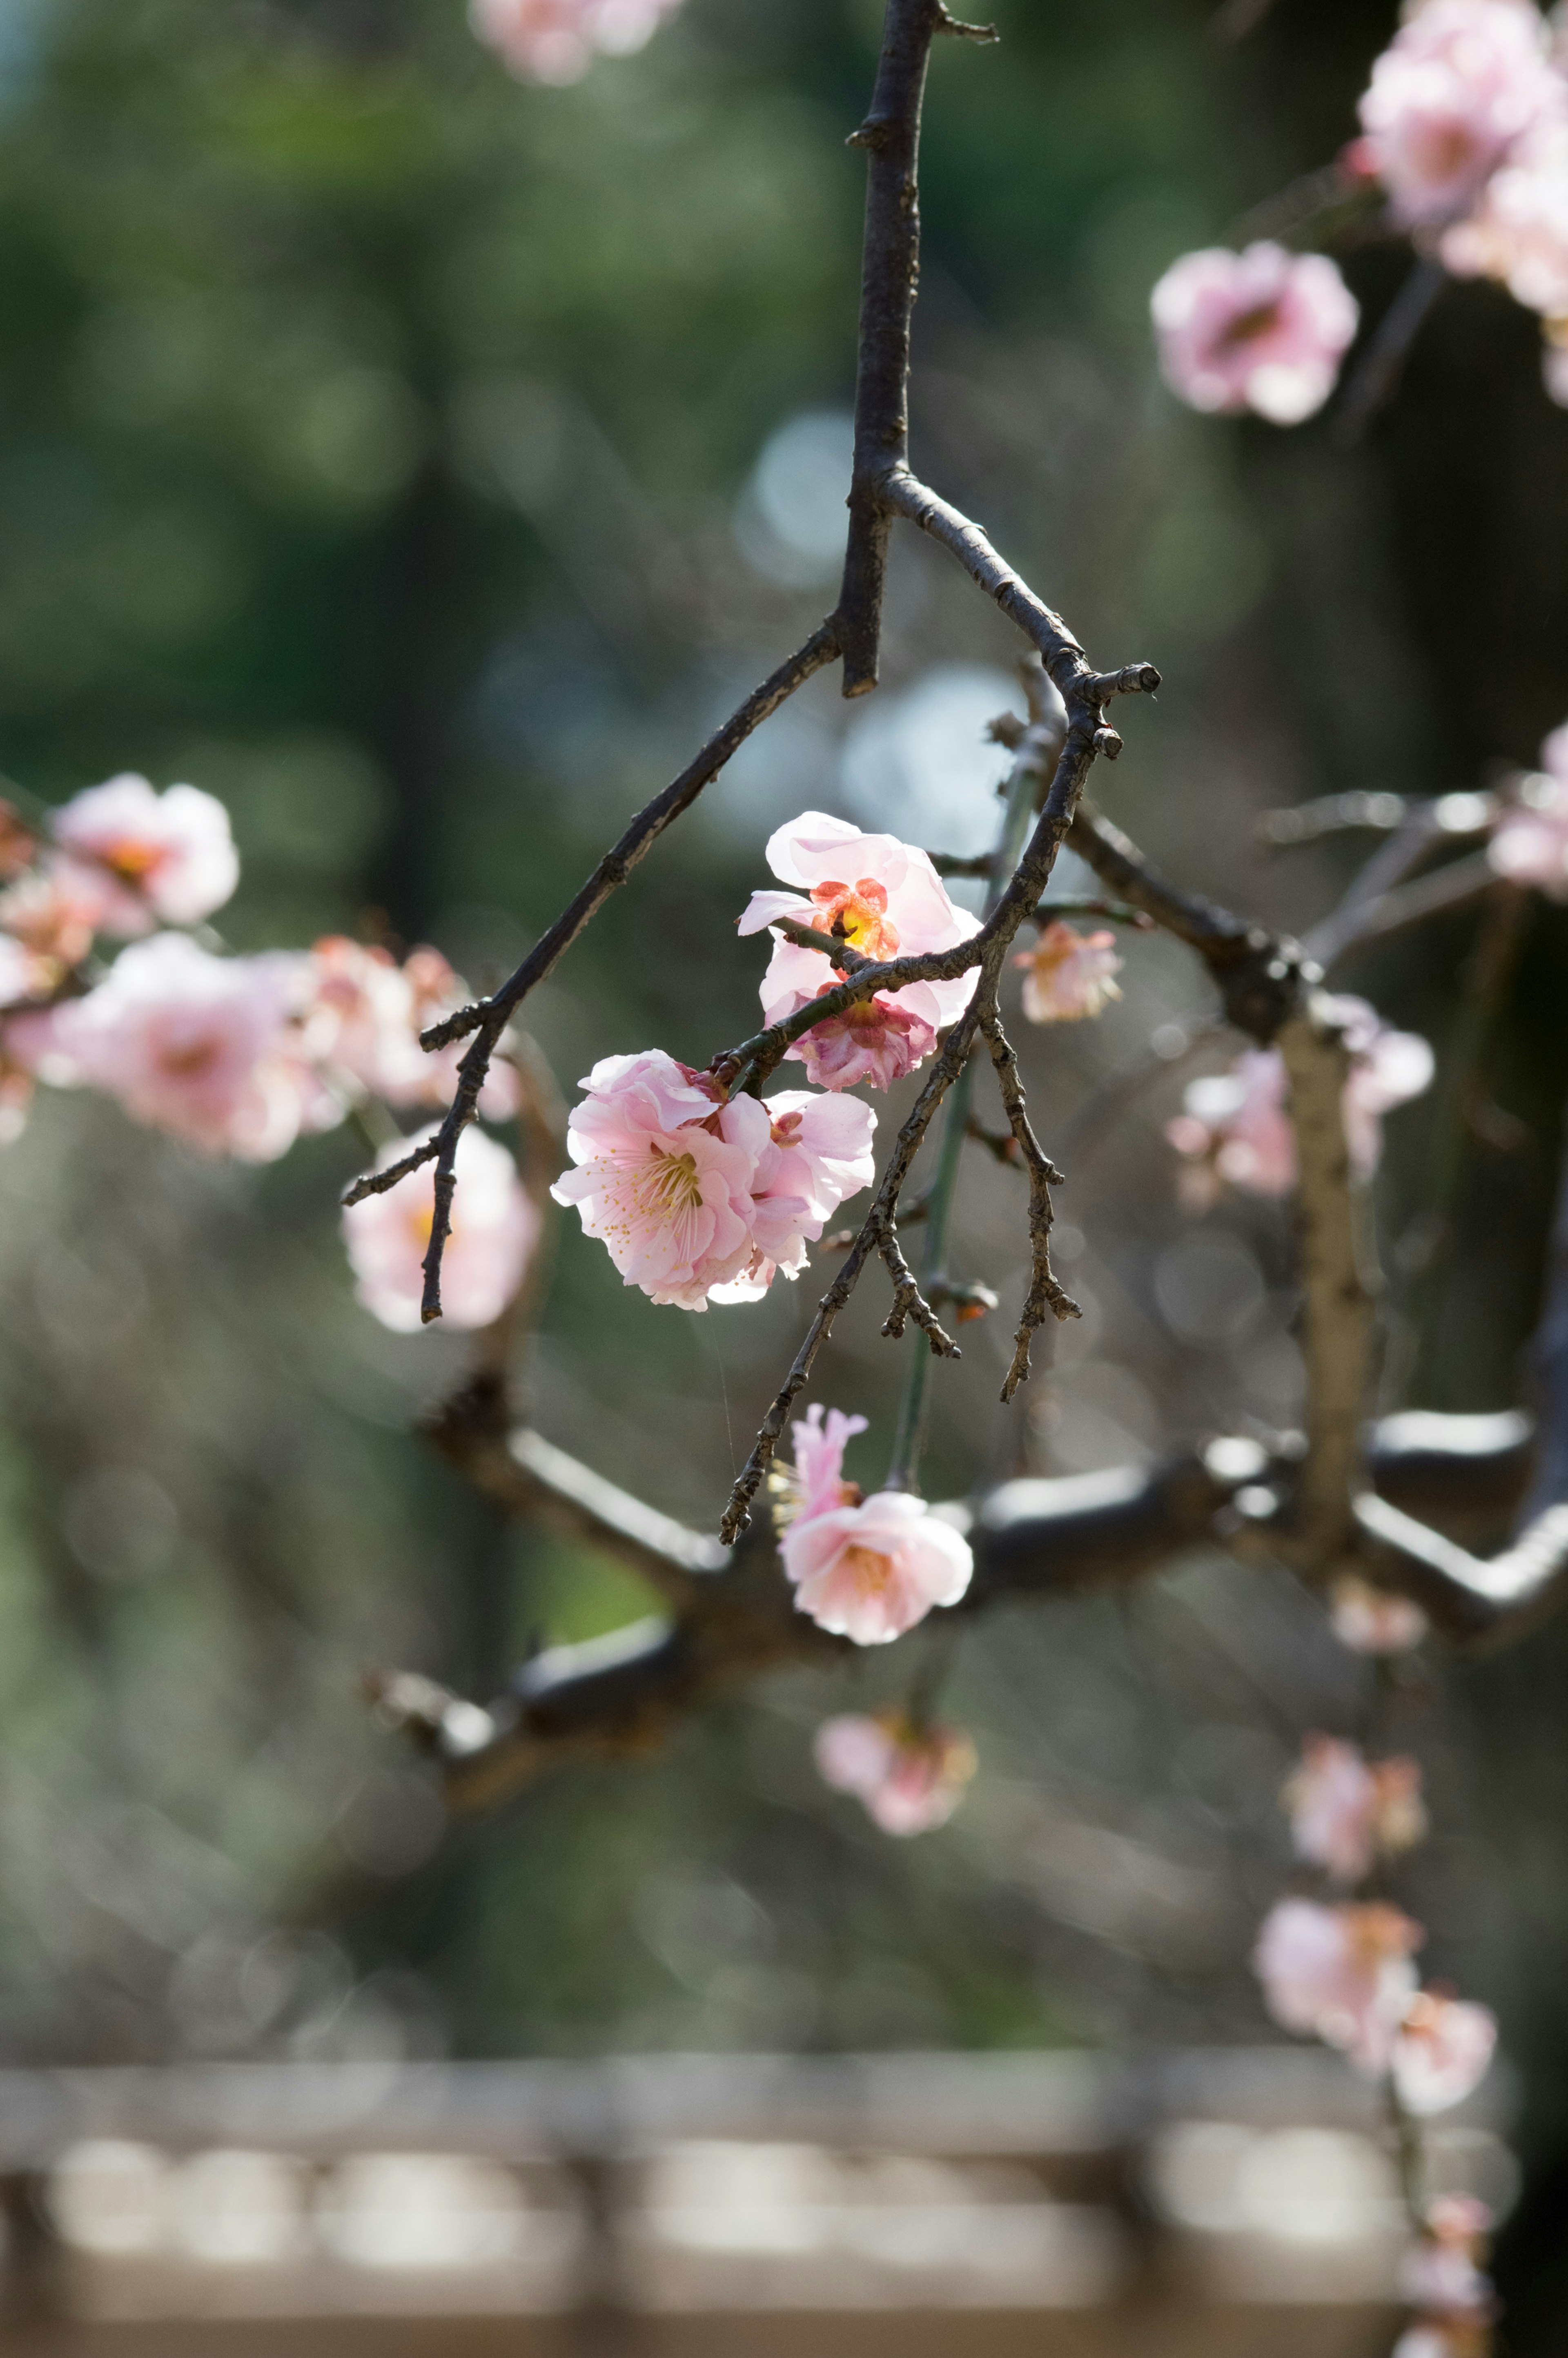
668	1185
131	858
869	1569
859	912
1248	324
185	1063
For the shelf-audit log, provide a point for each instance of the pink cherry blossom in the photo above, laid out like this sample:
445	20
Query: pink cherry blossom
1234	1130
1374	1620
1518	235
1457	86
365	1021
1342	1972
1263	330
1529	842
55	910
909	1777
818	1153
886	900
168	858
873	1571
816	1484
1068	975
16	972
664	1175
1344	1811
495	1227
556	41
1388	1069
1444	2050
206	1048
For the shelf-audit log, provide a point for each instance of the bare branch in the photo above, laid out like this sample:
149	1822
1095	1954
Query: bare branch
1389	913
1045	1296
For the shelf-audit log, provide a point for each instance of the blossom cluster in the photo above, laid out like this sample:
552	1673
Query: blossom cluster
1464	129
101	987
1235	1130
863	1568
558	40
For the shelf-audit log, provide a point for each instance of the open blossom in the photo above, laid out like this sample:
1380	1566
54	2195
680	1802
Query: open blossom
885	900
1262	329
1454	89
1444	2050
366	1017
816	1481
55	910
1343	1973
1518	235
556	41
866	1569
1374	1620
206	1048
1345	1809
1529	842
147	857
910	1777
1068	975
818	1153
495	1227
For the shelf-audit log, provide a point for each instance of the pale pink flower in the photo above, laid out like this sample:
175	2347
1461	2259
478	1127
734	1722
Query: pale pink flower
1388	1069
1234	1130
1345	1809
1456	87
1443	2049
1342	1972
1263	330
206	1048
909	1777
886	901
365	1021
556	41
873	1571
55	911
495	1227
665	1176
818	1153
816	1484
168	858
1068	975
1529	841
16	972
1374	1620
1518	233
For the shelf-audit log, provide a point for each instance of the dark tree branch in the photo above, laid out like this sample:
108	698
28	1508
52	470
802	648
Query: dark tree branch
1045	1297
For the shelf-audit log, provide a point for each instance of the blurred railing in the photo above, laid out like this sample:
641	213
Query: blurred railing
1064	2204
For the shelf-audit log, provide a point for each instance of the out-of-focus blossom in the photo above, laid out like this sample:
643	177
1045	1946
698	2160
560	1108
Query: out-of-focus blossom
1374	1620
818	1153
1444	2050
1443	2279
556	41
206	1048
1387	1069
168	858
1529	841
17	968
495	1226
17	841
870	1568
1068	975
1518	235
1234	1130
54	910
1343	1973
1262	329
1458	85
1345	1809
366	1017
885	900
664	1175
909	1777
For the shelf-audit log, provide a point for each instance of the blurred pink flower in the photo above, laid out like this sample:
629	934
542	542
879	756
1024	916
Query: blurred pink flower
1345	1809
873	1571
55	911
1444	2050
1374	1620
367	1018
1518	235
1388	1069
1343	1973
16	972
148	857
1068	975
206	1048
1262	329
886	900
1458	84
664	1175
495	1227
909	1777
1529	842
1234	1130
556	41
818	1153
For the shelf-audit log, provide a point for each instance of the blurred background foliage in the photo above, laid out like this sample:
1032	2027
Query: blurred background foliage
423	463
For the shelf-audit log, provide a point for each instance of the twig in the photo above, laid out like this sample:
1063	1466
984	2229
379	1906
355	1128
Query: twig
1045	1296
1447	888
1378	370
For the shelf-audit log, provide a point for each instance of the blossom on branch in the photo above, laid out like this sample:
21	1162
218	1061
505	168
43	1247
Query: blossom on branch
206	1048
1374	1620
1457	87
909	1776
366	1017
1518	235
556	41
1529	842
1342	1972
1262	329
495	1227
865	1569
141	857
1068	975
1344	1811
884	899
818	1153
1444	2050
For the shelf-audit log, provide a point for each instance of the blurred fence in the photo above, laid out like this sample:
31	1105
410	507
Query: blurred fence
1203	2203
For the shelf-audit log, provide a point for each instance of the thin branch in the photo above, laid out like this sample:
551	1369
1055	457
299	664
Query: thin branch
1409	904
1046	1298
1378	370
